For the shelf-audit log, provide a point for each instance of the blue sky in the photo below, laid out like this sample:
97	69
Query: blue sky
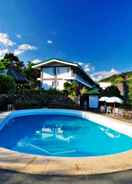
95	32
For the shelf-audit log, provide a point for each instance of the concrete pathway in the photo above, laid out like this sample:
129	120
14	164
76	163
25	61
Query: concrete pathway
3	115
8	177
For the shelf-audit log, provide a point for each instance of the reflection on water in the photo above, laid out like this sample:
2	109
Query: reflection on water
56	133
46	134
110	133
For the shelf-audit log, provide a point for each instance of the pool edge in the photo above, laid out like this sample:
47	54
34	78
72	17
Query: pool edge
26	163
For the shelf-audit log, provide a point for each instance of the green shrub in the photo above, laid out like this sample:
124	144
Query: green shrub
2	66
7	84
72	88
35	98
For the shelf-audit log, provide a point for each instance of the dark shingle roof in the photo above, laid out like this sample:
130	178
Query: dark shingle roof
17	75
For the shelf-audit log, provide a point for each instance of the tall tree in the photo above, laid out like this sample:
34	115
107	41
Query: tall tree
31	73
111	91
10	60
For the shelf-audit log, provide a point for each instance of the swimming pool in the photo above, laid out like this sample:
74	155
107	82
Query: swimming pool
63	133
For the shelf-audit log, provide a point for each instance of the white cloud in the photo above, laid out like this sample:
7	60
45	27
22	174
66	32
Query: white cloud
36	61
19	36
5	40
23	48
80	63
26	47
97	76
49	41
88	68
104	74
3	52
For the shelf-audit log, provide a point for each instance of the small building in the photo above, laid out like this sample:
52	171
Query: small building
90	100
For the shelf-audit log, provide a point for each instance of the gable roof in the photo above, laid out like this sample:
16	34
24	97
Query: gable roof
54	60
18	76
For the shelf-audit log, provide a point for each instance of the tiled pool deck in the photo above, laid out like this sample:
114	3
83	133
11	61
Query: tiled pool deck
64	166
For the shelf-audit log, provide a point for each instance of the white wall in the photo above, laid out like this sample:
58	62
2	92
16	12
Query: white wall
62	73
47	84
60	85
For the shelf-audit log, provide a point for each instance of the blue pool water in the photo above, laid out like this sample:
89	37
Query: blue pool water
61	135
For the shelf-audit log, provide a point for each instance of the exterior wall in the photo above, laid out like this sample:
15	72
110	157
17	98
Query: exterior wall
58	84
47	84
56	76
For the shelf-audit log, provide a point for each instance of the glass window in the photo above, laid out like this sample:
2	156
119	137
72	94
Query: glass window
61	71
49	72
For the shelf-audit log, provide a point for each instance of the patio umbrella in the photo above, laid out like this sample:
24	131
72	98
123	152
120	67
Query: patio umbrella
114	100
103	99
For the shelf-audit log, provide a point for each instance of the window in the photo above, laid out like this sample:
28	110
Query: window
63	71
49	72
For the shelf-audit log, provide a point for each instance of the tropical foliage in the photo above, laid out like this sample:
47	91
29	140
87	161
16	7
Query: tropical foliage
31	74
7	85
72	88
111	91
2	66
124	77
35	98
11	60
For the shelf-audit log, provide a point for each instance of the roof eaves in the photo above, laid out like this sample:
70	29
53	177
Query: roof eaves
54	60
87	75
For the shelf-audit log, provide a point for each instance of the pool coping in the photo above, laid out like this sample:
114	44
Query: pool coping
33	164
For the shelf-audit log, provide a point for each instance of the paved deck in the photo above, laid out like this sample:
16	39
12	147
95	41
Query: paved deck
3	115
9	177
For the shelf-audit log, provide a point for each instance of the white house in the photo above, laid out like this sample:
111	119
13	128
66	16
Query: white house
54	73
